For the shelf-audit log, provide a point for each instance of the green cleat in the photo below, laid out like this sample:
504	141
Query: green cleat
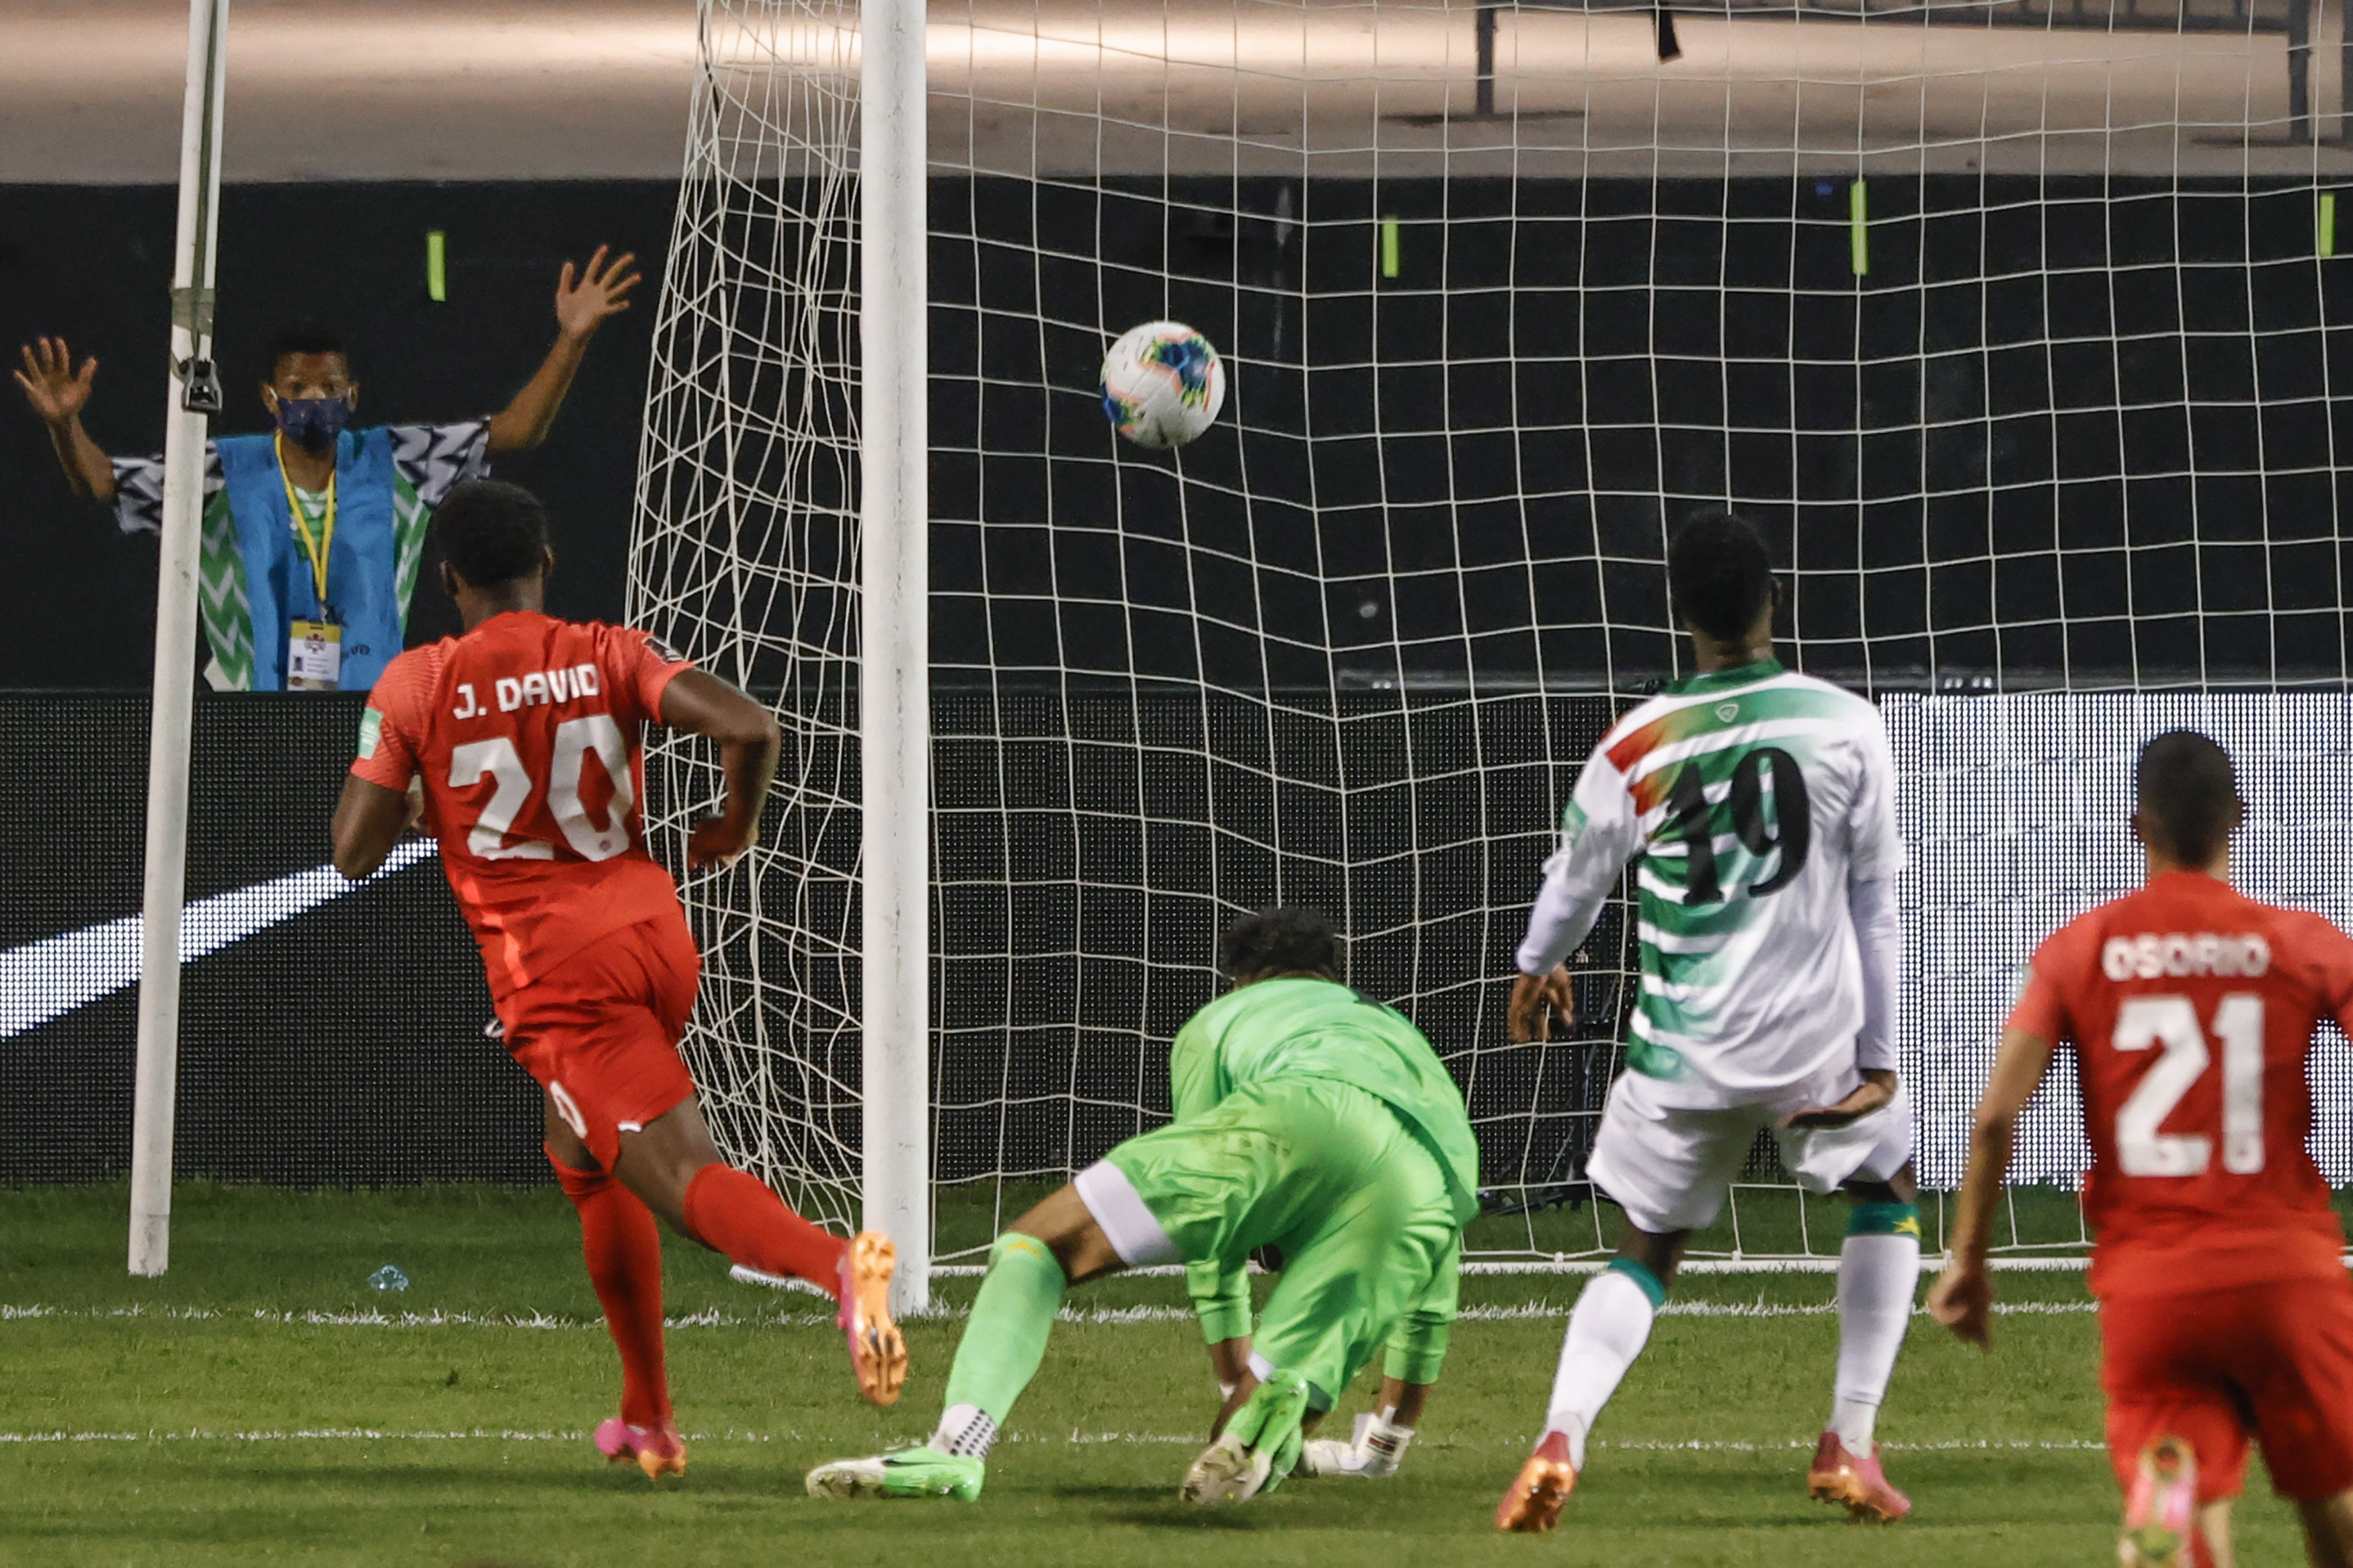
1258	1448
904	1473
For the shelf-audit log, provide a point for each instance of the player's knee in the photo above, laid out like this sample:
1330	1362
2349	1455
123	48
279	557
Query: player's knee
1899	1188
1645	1277
665	1189
1024	1245
1063	1225
1656	1253
1906	1184
661	1179
577	1183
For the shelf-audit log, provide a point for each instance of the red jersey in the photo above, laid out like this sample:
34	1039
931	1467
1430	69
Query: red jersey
2191	1008
528	732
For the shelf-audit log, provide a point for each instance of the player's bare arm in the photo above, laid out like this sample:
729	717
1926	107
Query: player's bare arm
1229	1363
369	820
1876	1089
585	298
1962	1298
749	746
57	392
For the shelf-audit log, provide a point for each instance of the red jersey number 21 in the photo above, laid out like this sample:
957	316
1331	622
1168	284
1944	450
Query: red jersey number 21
574	739
2171	1022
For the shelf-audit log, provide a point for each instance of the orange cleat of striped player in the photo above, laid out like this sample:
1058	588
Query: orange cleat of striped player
525	735
1532	1503
2225	1313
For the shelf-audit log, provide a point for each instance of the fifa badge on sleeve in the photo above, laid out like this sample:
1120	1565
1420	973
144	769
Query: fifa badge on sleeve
314	656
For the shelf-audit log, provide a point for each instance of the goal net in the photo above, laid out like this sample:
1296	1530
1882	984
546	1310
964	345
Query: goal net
2014	324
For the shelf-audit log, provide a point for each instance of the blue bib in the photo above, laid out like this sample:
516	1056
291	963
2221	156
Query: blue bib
363	593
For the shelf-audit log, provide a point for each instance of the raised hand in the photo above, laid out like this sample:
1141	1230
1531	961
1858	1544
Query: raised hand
55	391
584	297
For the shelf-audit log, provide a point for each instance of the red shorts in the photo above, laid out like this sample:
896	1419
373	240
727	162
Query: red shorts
2274	1361
600	1031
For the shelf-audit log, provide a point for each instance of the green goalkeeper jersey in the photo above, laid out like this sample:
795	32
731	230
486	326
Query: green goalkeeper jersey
1315	1028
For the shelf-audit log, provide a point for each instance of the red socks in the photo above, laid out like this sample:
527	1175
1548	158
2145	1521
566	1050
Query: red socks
623	1247
735	1214
728	1210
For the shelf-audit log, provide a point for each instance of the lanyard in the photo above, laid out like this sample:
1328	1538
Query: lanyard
316	552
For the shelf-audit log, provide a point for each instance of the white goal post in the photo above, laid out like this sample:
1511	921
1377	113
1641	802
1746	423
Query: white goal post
194	389
894	643
2019	328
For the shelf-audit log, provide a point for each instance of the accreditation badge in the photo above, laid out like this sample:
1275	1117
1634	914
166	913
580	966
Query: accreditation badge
314	656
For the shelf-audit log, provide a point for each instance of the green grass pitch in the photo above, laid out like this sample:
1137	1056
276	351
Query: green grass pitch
244	1409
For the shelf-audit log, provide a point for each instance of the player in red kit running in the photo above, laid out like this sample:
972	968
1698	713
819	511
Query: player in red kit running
525	735
2224	1309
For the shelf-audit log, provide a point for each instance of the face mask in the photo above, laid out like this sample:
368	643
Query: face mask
312	423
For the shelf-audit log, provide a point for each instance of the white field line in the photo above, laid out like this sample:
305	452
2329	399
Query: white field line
1074	1439
1930	1263
715	1319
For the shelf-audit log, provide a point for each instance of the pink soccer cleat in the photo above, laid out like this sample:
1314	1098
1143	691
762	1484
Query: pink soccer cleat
1532	1505
878	1354
2162	1509
659	1450
1854	1481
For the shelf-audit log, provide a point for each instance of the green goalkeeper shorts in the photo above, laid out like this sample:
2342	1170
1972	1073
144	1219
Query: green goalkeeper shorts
1357	1204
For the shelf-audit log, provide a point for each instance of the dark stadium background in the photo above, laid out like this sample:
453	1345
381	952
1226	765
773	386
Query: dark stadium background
2202	304
1973	471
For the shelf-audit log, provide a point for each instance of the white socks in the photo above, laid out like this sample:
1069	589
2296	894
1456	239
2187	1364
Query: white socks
1878	1277
965	1429
1606	1333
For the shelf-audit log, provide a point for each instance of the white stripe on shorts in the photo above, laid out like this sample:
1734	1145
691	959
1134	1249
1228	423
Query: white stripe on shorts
1126	1223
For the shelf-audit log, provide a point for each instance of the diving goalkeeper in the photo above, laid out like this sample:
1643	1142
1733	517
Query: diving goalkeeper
1308	1118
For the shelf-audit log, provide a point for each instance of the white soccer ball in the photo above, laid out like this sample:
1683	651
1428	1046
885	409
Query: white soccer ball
1162	383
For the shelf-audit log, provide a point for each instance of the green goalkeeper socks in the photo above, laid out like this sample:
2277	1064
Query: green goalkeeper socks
1010	1319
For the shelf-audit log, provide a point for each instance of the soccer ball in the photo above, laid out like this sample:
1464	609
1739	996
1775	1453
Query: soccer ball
1162	383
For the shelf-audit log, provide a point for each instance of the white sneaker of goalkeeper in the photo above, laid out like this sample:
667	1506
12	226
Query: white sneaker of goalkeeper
1375	1452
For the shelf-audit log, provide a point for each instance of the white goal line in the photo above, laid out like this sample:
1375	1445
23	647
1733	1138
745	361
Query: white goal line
712	1317
1480	1313
1075	1438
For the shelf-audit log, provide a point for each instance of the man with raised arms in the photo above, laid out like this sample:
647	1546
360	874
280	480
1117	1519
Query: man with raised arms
1759	806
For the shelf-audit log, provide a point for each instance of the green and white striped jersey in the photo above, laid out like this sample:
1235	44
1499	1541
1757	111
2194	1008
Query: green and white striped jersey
1751	798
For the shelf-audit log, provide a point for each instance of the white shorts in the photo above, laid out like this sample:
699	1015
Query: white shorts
1670	1167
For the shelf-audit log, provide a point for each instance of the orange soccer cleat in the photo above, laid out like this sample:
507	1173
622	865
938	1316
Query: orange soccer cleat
659	1450
2162	1510
878	1354
1854	1481
1532	1504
